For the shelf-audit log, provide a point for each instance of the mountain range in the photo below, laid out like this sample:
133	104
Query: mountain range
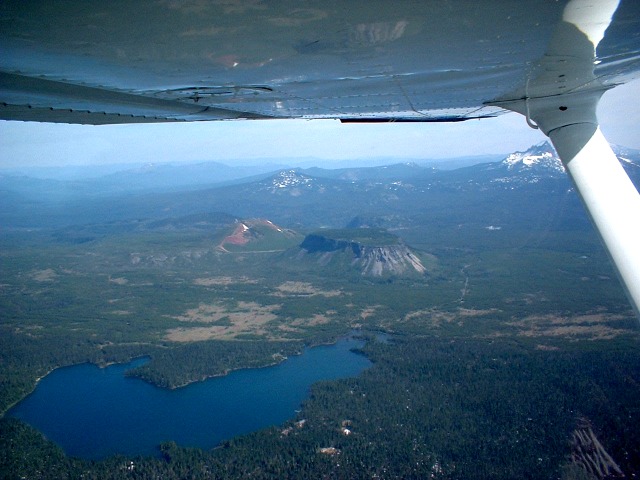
400	196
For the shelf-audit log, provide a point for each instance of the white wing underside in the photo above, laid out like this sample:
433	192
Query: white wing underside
102	62
117	61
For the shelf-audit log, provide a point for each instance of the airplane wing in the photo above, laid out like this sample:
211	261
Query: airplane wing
100	62
117	61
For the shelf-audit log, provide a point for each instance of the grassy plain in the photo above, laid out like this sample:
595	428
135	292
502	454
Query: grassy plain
158	288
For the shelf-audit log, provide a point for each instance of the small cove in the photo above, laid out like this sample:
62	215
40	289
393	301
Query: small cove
94	412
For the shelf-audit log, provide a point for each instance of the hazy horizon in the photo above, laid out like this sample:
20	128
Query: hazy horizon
235	143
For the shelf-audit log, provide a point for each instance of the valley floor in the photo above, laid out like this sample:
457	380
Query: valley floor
483	376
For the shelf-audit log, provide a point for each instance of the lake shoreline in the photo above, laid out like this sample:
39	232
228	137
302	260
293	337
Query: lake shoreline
142	416
354	334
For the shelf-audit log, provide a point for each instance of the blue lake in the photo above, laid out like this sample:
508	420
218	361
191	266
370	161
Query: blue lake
95	412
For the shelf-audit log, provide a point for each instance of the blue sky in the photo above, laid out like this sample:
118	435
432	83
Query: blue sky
250	142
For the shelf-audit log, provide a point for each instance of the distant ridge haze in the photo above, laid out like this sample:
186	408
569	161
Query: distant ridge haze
233	169
382	196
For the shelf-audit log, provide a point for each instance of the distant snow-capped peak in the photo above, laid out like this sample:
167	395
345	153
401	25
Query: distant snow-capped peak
541	155
290	178
292	182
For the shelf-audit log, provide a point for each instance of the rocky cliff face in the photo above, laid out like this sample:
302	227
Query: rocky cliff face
394	259
390	260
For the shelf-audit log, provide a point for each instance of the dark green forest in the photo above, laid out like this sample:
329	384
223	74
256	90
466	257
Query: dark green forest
428	408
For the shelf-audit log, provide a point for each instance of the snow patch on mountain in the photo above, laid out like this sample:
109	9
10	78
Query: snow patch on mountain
291	178
293	182
542	155
629	163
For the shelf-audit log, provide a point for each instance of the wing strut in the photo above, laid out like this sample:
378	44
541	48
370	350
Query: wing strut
561	96
608	195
